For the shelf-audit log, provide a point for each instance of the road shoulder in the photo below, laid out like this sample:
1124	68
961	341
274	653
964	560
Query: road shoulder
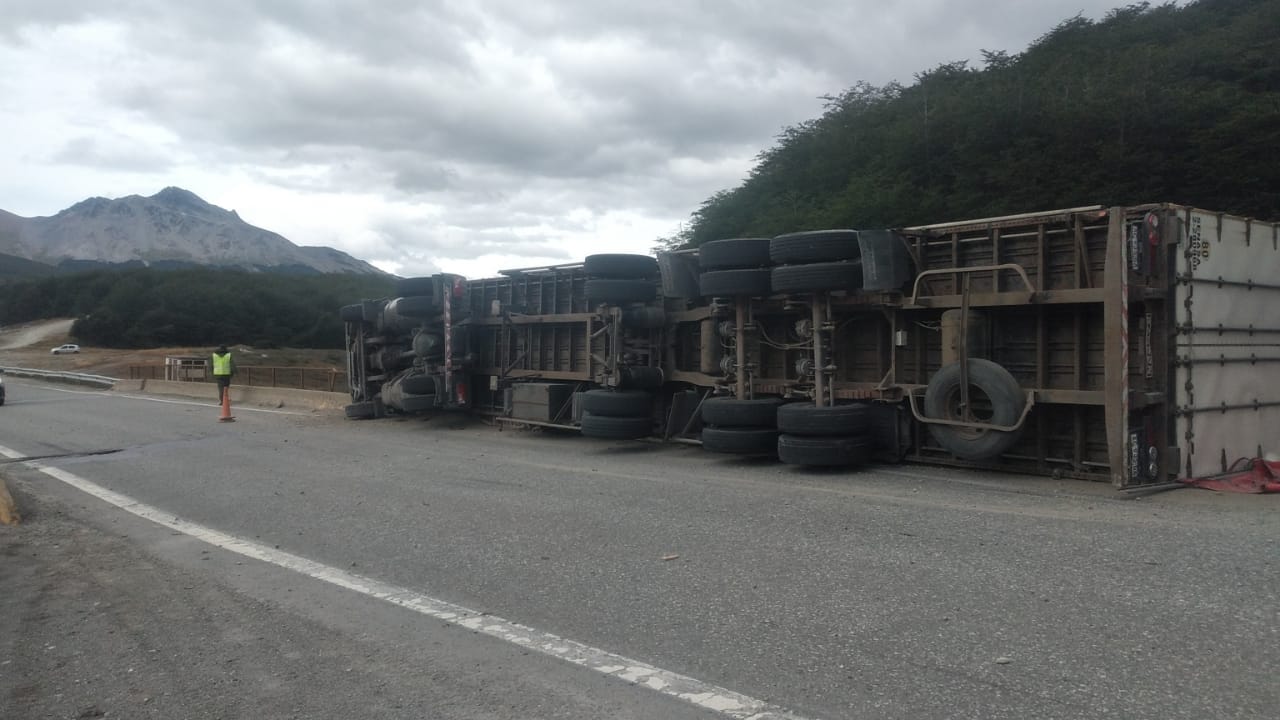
106	615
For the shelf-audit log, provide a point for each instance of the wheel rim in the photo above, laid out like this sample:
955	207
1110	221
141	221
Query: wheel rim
980	410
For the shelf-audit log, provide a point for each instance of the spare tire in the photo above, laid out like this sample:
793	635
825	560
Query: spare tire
809	419
815	246
996	399
617	403
734	253
732	412
620	266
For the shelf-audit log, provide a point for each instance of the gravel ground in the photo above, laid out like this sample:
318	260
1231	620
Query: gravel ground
95	623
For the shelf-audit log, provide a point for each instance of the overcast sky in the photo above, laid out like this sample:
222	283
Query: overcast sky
464	136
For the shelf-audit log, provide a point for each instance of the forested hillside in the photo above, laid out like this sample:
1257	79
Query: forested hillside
1152	103
158	308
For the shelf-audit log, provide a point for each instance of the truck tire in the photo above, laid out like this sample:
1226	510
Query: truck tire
731	283
412	306
740	441
996	397
418	385
352	313
818	277
615	428
734	253
815	246
823	451
362	410
620	266
619	292
409	287
732	412
828	420
617	403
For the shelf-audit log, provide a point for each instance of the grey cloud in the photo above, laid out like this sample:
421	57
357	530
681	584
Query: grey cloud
508	117
114	152
419	177
682	90
17	16
477	218
586	128
386	33
452	243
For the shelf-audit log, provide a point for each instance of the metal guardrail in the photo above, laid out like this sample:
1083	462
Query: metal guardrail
60	376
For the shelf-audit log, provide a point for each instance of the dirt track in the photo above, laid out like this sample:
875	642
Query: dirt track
34	333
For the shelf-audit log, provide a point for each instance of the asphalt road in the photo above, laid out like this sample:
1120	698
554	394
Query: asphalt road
894	592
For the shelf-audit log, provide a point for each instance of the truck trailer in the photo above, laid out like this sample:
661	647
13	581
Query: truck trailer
1137	345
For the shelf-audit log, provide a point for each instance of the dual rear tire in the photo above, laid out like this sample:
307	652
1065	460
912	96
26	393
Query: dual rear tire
617	414
826	436
740	427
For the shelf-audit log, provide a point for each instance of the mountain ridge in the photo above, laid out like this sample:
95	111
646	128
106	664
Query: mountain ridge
173	227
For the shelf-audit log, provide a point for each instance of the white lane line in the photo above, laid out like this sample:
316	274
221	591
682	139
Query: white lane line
727	702
112	393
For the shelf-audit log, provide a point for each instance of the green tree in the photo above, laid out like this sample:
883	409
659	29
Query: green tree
1151	103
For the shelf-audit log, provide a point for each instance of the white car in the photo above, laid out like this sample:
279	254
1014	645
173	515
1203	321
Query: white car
63	349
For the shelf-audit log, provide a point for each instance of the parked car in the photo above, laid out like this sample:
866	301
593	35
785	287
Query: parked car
64	349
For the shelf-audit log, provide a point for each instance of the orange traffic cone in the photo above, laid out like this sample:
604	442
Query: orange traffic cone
226	407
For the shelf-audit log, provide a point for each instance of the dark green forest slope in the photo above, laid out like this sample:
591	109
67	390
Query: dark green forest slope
1152	103
161	308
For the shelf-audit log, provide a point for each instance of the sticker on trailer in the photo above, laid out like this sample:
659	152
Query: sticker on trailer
1137	256
1148	360
1197	247
1144	242
1135	456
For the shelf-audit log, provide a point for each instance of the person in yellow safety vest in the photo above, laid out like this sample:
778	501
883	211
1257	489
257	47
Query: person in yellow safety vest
224	367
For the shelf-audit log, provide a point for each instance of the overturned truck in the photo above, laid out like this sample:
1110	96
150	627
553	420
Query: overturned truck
1136	345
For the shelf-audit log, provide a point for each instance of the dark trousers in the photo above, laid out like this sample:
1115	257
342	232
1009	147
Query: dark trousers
224	382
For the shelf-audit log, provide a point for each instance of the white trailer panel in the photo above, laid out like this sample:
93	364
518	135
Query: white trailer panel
1227	351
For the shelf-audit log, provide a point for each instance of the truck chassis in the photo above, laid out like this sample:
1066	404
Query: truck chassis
1127	344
